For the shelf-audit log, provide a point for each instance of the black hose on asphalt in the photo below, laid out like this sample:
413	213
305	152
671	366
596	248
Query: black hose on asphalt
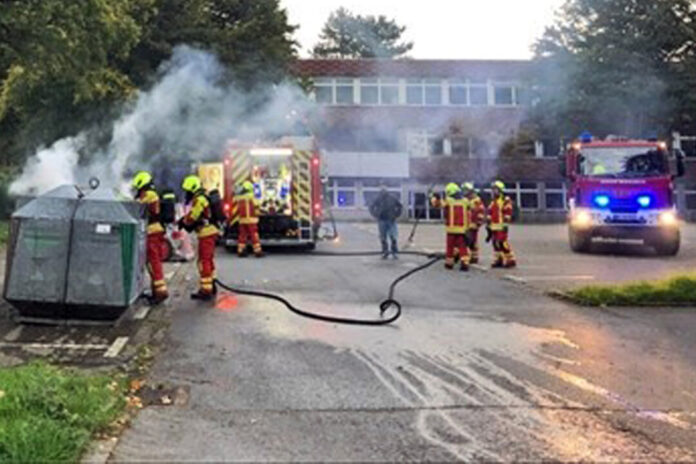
384	306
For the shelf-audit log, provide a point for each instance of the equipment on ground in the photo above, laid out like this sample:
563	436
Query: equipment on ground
384	306
75	255
622	189
286	182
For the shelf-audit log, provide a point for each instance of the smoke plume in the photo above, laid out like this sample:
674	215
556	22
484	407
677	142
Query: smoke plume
190	113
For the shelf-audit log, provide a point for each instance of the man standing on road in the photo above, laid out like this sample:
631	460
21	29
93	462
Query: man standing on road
456	208
477	215
387	209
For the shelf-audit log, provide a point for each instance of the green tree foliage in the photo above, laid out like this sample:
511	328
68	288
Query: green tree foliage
65	65
346	35
617	66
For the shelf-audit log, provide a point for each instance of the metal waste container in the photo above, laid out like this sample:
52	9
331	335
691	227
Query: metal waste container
75	256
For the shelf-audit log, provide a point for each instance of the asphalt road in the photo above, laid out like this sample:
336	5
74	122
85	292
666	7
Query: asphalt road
546	262
478	368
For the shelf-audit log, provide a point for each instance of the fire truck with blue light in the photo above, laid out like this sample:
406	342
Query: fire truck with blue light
622	189
286	174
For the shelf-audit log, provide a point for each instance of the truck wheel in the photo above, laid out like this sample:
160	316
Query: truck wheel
310	246
580	242
668	246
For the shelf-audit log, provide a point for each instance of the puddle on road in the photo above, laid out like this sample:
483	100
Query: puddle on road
469	405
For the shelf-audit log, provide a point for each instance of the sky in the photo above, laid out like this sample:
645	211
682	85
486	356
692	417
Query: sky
441	29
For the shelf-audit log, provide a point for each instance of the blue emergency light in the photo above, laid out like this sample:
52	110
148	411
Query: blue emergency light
586	137
257	190
644	201
602	201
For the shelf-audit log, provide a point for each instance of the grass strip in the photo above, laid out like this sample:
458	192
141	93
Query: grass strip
679	290
50	414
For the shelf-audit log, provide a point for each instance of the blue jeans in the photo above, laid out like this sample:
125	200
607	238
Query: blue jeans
388	229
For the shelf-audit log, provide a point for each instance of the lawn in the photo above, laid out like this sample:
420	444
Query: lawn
678	290
50	414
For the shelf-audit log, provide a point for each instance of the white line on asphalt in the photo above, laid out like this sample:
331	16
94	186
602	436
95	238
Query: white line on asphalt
116	347
141	313
54	346
478	267
513	278
560	277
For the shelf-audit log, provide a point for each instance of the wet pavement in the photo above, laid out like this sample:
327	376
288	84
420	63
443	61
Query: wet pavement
546	261
478	368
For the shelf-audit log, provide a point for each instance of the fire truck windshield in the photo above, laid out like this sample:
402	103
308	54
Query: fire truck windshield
622	162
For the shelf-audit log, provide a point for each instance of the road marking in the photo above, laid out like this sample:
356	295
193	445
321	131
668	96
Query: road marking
116	347
142	312
513	278
54	346
560	277
478	267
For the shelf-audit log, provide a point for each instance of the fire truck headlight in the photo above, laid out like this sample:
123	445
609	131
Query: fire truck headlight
644	201
582	219
668	219
602	201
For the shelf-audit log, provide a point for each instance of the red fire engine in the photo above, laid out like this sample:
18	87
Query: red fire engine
287	186
622	189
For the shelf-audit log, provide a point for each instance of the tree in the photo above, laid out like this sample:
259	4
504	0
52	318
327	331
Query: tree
346	35
252	37
616	66
59	65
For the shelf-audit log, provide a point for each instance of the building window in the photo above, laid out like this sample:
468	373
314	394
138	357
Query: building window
344	92
528	195
555	196
436	145
323	91
389	91
414	92
459	93
461	146
433	92
504	95
690	197
369	91
478	95
345	199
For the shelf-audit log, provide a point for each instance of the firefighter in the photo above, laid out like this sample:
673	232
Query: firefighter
456	225
247	208
477	216
499	217
200	219
147	195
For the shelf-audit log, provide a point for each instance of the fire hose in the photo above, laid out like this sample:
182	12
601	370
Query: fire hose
384	306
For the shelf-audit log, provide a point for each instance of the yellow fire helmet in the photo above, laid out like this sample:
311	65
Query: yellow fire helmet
191	184
247	186
468	187
141	179
452	189
498	185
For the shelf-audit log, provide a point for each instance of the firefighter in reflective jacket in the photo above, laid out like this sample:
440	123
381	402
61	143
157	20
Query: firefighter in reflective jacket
147	195
477	216
199	218
499	217
247	209
456	208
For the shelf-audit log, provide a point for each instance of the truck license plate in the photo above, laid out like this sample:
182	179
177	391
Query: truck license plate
624	217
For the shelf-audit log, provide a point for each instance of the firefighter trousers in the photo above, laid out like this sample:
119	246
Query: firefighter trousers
473	244
457	250
503	254
206	263
154	245
248	232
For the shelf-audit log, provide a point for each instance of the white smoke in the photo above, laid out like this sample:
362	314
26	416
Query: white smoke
188	113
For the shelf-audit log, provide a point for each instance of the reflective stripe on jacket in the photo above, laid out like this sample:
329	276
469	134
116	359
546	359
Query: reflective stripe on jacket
456	214
500	213
200	215
151	200
247	209
477	212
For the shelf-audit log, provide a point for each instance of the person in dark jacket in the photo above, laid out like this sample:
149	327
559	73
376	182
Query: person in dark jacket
386	209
